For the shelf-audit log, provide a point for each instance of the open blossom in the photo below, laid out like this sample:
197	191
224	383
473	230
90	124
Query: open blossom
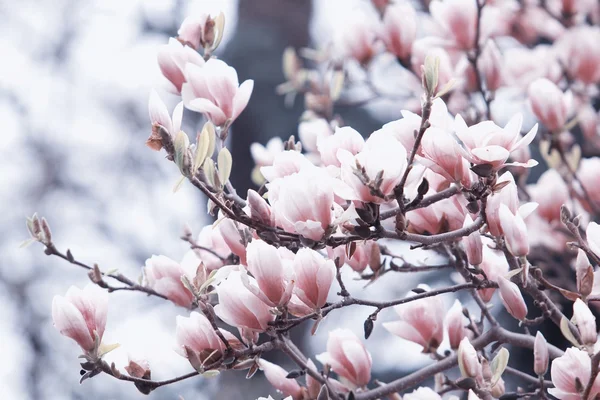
549	206
273	275
81	315
445	215
570	372
384	157
458	18
347	357
579	51
549	104
277	377
241	308
365	254
198	341
421	321
164	276
356	38
211	238
213	90
512	298
302	203
314	276
487	143
399	29
586	322
343	138
172	59
455	324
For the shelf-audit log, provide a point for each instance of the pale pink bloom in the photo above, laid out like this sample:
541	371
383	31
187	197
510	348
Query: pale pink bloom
164	276
347	357
527	65
344	138
472	243
365	254
382	154
214	91
579	51
433	47
586	322
356	38
314	276
422	393
284	164
494	265
232	232
458	18
211	238
160	115
589	123
277	378
273	275
193	31
421	321
445	215
81	315
399	29
259	208
592	233
533	22
514	229
443	155
569	368
540	354
491	65
172	59
241	308
511	297
138	368
302	203
468	360
549	206
311	131
588	177
487	143
549	104
196	337
265	155
455	325
508	196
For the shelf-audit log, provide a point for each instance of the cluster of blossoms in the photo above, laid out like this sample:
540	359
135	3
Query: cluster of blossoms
447	176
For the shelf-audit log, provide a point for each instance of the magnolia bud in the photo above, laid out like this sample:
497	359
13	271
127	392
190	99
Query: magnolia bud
473	244
585	321
259	209
585	274
455	325
540	354
512	298
468	361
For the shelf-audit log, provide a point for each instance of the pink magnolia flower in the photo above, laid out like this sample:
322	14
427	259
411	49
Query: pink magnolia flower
507	196
514	228
81	315
588	177
549	206
365	254
468	360
273	275
197	340
592	233
284	164
159	115
578	49
172	59
487	143
259	208
527	65
584	274
549	104
569	372
458	18
445	215
164	276
234	234
443	155
212	239
343	138
277	378
241	308
472	243
302	203
455	325
265	155
214	91
540	354
356	38
421	322
138	368
512	298
347	357
422	393
491	65
382	156
399	29
586	322
494	265
198	31
311	131
314	276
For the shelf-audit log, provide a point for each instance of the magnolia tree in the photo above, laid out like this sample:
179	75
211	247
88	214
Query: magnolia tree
445	177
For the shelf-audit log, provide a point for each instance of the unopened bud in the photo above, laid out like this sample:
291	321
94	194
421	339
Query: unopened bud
585	274
468	361
585	321
512	298
540	354
259	209
473	244
431	69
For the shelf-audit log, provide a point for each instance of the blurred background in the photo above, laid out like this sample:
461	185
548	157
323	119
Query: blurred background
75	76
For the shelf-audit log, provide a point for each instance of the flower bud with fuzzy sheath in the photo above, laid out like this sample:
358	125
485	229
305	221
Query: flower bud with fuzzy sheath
540	354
